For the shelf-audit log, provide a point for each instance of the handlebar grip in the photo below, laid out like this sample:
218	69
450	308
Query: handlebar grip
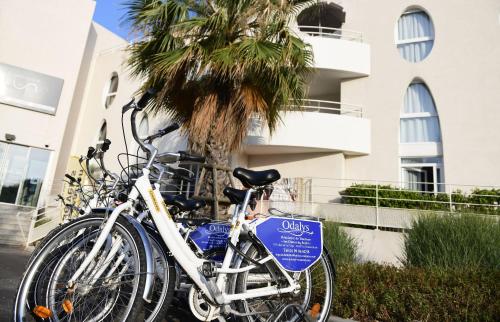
70	177
90	152
172	127
146	97
183	156
105	145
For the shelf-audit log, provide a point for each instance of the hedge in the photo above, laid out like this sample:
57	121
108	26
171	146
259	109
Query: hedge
394	197
372	292
453	241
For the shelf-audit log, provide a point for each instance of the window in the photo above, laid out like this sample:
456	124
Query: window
422	174
22	171
415	35
102	134
419	123
419	119
112	89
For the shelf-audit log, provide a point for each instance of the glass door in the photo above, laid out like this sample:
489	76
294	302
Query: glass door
22	172
14	169
424	177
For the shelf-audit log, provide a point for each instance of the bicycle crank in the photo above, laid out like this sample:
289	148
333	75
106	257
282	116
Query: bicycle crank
201	308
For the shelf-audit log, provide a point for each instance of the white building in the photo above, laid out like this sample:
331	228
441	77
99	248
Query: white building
403	91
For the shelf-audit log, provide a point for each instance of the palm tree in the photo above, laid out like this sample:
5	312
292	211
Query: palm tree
218	63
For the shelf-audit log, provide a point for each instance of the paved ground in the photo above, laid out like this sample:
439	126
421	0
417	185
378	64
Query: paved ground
12	263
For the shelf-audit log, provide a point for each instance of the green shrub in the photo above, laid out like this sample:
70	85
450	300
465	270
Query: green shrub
371	292
453	241
480	197
394	197
340	245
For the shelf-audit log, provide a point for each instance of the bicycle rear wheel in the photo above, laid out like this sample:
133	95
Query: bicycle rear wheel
111	288
314	298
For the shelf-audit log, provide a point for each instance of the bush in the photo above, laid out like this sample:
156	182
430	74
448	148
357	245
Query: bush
453	241
371	292
340	245
477	201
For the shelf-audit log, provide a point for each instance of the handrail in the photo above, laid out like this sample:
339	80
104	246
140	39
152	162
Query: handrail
329	32
329	189
330	107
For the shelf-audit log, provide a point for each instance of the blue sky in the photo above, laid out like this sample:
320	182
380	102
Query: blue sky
108	13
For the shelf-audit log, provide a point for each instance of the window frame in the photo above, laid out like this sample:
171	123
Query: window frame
108	95
437	184
416	40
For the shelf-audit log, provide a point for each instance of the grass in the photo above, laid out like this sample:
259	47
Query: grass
342	247
453	241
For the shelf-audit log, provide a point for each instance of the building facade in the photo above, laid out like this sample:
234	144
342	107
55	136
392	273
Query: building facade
405	92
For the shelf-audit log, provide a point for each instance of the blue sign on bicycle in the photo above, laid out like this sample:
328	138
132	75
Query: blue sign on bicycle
211	236
295	244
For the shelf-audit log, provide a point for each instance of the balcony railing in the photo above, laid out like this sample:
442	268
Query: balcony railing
336	33
329	107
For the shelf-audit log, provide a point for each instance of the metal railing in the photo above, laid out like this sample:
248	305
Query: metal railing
378	205
329	107
328	32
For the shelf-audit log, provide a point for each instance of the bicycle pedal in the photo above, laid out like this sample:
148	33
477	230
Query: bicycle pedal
208	269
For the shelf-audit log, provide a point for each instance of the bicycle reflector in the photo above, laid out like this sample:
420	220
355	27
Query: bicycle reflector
315	310
42	312
67	306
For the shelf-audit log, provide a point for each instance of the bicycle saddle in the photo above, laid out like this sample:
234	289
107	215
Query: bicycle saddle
251	178
235	196
183	203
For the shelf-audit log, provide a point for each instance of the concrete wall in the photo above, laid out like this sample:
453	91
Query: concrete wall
48	37
462	73
385	247
109	56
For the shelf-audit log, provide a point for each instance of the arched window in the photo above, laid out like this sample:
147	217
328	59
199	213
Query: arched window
112	89
321	19
415	35
421	168
419	119
102	134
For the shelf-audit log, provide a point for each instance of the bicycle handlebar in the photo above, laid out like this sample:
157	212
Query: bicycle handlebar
172	127
91	152
105	145
71	178
183	156
146	97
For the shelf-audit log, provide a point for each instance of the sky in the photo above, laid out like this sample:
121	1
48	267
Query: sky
108	13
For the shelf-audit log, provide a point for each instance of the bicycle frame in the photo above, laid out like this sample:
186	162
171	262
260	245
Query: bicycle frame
187	259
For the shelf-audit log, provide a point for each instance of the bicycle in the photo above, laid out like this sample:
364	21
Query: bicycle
111	254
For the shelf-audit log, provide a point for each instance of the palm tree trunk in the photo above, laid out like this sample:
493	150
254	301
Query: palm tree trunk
215	178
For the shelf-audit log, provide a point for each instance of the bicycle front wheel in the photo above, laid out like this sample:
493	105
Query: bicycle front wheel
110	289
314	298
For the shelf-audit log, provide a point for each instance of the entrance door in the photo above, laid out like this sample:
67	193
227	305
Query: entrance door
22	171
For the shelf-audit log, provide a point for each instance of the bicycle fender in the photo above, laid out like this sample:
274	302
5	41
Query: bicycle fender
150	267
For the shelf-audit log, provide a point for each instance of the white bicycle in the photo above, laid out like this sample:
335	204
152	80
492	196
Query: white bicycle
101	267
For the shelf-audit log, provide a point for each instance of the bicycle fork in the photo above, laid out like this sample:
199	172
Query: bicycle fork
99	243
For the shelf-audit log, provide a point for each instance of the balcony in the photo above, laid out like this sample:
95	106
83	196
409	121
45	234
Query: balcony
321	126
338	53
